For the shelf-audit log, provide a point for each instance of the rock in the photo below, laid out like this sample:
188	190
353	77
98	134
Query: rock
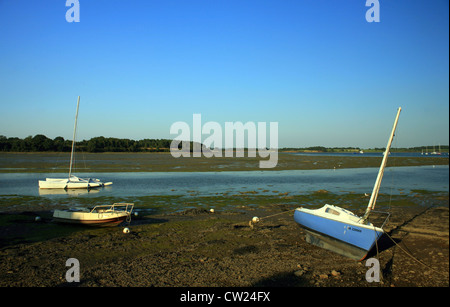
335	273
323	276
299	273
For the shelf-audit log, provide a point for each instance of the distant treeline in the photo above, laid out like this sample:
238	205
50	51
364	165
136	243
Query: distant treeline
39	143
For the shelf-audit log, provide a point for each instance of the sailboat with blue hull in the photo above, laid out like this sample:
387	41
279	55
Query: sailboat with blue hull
340	230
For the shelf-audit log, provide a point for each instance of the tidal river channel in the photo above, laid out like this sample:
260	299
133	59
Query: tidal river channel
396	180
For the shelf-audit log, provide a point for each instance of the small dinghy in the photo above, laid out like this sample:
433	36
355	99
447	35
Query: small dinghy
340	230
103	215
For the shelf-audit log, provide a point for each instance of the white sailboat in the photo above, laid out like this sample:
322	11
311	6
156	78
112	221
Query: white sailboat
340	230
72	182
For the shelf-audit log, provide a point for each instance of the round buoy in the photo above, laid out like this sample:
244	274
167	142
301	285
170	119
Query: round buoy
255	219
37	219
136	214
211	210
126	230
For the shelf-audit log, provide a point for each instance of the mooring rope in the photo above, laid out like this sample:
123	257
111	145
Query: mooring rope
256	219
414	258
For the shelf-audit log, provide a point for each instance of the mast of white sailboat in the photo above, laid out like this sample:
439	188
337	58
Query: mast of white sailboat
73	140
376	187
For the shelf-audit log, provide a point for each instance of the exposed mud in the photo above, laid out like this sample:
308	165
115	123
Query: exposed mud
220	249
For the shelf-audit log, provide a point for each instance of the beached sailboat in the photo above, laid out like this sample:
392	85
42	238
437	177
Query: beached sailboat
340	230
103	215
72	182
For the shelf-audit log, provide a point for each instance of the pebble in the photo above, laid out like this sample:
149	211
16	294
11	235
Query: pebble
299	273
335	273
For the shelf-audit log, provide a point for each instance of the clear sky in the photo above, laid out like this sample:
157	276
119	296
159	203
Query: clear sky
317	67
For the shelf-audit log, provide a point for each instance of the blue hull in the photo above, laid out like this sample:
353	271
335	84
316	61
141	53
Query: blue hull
360	240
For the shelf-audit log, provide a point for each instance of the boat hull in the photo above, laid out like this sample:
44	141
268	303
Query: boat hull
89	218
347	238
96	223
72	183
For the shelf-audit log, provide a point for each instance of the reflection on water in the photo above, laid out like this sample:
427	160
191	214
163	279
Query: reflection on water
71	192
359	180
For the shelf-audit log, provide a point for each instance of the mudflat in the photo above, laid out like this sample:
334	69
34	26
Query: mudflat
164	162
197	247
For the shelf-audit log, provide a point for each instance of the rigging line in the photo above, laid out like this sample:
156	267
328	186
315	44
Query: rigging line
276	214
414	258
251	222
394	160
376	246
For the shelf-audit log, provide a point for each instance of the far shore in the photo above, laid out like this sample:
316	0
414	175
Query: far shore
45	162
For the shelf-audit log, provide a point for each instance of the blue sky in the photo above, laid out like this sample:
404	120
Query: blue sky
317	67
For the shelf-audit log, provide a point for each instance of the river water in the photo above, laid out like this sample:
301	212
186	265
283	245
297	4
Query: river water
396	180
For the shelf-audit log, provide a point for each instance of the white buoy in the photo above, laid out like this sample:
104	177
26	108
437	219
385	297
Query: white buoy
126	230
136	214
211	210
37	219
255	219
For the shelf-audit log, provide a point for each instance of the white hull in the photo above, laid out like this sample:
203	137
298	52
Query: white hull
71	183
108	215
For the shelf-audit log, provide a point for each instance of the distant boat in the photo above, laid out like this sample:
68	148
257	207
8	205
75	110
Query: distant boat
340	230
436	152
72	182
103	215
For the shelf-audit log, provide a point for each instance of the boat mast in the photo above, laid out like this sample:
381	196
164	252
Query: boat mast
73	140
376	187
